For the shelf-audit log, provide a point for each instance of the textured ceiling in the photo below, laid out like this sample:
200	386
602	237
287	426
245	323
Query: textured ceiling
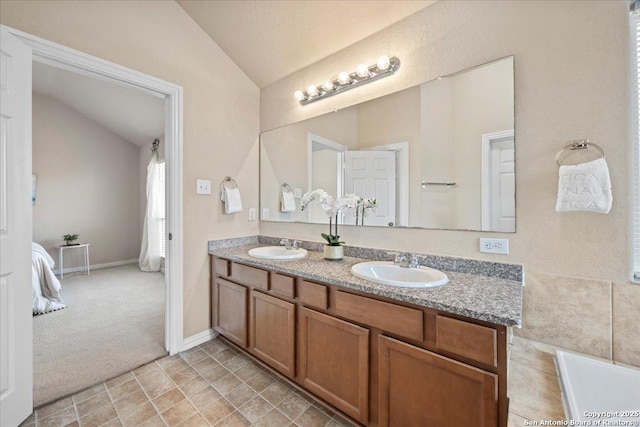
272	39
129	113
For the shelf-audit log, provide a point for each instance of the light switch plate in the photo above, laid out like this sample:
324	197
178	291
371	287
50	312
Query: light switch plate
265	214
203	186
252	214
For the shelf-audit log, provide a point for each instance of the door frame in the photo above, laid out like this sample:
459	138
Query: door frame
69	59
487	140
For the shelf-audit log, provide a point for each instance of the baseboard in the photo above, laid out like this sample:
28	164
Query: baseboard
97	266
198	339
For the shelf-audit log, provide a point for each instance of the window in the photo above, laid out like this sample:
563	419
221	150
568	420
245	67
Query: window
635	46
161	219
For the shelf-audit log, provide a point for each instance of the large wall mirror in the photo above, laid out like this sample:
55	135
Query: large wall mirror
437	155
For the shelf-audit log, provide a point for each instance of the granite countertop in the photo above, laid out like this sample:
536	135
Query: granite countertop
479	297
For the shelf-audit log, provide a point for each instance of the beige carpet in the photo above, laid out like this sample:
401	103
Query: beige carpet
113	324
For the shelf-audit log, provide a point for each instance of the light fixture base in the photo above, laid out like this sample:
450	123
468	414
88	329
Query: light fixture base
355	81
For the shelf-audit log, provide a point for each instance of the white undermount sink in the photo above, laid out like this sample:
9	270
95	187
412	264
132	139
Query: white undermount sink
387	273
277	253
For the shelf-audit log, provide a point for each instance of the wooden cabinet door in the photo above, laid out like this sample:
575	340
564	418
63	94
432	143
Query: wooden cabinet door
419	388
273	332
231	311
334	362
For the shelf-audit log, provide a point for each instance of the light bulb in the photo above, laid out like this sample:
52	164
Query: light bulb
362	70
344	78
299	95
327	86
383	63
312	91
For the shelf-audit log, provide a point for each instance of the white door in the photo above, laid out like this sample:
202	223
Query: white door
503	185
372	174
16	370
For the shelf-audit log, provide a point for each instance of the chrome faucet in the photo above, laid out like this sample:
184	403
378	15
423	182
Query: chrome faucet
289	244
406	260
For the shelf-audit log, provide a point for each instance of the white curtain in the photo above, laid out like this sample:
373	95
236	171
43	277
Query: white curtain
150	259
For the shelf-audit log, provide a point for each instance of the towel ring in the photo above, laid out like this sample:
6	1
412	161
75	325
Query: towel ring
228	179
287	187
578	145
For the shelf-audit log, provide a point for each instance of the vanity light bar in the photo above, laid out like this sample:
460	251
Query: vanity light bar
384	67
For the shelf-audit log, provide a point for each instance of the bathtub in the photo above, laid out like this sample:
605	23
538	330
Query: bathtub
596	392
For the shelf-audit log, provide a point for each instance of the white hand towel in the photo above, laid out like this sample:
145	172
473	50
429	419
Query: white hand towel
585	187
231	199
287	201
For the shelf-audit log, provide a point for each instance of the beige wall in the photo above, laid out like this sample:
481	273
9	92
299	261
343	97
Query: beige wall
569	84
221	109
553	106
87	184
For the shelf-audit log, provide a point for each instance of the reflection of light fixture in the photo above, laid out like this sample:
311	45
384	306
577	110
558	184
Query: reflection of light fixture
383	67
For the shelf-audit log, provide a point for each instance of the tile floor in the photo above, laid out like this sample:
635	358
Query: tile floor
216	385
534	389
212	384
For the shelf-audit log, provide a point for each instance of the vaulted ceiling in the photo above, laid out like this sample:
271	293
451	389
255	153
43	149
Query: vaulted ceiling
134	116
267	39
272	39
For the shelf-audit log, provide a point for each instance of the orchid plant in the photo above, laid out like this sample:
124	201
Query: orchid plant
366	206
332	208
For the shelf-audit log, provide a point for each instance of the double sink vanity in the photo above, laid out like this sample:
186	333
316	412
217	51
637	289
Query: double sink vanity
383	344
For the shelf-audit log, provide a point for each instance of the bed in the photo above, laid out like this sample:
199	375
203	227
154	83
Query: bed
45	285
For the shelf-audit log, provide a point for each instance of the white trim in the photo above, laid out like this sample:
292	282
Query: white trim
198	339
487	139
63	57
402	174
97	266
635	146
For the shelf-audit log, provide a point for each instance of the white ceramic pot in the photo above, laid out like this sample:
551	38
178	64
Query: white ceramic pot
333	252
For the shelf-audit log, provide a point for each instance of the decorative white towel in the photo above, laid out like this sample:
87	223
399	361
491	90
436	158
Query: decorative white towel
287	201
585	187
231	199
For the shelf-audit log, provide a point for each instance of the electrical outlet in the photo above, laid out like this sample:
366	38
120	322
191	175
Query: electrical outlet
265	214
297	193
494	246
203	186
252	214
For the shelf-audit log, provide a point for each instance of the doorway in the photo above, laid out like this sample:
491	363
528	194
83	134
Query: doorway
16	355
498	181
91	144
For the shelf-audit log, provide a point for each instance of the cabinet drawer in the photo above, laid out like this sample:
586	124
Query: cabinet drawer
313	294
250	276
389	317
282	285
221	267
467	339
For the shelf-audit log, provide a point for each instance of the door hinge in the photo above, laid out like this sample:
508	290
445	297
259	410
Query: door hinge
170	236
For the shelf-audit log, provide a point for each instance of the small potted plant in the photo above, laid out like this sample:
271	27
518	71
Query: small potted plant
333	250
70	238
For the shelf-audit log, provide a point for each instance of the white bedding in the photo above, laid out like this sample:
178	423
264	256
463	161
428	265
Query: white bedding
45	285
